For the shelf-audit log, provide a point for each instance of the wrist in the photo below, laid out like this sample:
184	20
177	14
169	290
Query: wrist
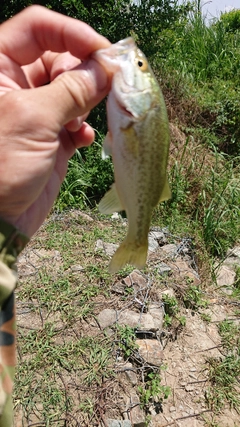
12	242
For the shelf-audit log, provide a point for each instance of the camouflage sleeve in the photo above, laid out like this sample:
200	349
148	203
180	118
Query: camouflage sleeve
11	243
7	343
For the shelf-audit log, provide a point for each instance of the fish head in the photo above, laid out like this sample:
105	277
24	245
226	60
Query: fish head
134	85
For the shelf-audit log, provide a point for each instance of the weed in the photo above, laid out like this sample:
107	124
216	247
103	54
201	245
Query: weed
193	298
153	390
170	305
224	373
205	317
126	340
223	376
167	321
229	332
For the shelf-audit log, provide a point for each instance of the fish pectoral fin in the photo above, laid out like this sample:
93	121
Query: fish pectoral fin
166	192
110	202
107	147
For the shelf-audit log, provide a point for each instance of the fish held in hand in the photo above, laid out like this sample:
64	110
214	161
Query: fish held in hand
138	141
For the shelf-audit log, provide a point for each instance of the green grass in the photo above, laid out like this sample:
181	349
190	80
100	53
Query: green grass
224	373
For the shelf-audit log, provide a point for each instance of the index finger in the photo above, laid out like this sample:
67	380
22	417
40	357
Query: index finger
26	36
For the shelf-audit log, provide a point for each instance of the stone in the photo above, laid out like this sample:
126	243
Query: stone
107	248
169	250
136	414
159	236
107	317
234	253
151	351
225	276
184	270
136	279
143	322
119	288
163	268
129	371
152	244
189	387
156	310
116	216
84	216
170	292
77	267
118	423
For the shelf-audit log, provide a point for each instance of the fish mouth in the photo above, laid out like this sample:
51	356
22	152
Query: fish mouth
124	110
109	57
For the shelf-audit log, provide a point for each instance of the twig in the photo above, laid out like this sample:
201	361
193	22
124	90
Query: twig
186	417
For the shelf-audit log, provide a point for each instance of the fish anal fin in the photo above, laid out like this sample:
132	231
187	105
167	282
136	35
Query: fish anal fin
110	202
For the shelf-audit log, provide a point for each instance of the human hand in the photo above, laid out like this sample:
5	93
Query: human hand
41	124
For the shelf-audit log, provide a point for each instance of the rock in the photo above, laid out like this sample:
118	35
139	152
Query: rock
136	279
156	310
183	269
159	236
225	276
163	268
170	292
234	253
143	322
129	372
107	248
151	351
136	414
83	215
116	216
107	317
169	250
77	267
189	387
118	423
152	244
119	288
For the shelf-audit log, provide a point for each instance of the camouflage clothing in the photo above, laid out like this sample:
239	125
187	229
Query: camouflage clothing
11	243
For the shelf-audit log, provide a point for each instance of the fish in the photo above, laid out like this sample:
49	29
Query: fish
138	141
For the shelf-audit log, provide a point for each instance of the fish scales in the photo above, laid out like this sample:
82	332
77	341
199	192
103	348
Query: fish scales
138	141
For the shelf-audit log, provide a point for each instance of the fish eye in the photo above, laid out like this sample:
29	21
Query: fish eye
142	63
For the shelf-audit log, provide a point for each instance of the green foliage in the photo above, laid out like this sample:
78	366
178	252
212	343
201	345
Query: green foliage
194	298
223	375
74	187
229	332
153	390
126	339
231	20
224	372
170	305
98	172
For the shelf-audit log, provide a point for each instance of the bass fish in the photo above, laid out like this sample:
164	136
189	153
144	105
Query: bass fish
138	141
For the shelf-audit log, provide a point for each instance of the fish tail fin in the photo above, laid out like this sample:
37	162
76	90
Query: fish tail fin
129	253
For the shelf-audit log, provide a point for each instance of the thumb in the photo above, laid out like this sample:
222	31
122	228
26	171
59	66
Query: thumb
74	93
42	112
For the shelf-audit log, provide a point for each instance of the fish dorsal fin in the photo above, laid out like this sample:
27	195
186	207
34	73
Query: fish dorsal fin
110	202
107	147
166	192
